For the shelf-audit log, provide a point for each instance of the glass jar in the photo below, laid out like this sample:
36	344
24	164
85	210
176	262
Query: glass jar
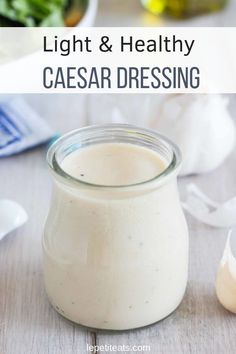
115	257
183	8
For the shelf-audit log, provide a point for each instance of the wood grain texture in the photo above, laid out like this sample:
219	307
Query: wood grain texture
28	324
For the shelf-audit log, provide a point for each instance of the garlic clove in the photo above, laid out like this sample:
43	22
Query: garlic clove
226	279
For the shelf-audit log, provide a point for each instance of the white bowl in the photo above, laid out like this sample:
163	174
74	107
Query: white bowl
89	16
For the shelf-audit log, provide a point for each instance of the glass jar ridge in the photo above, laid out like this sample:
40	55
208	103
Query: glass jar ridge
98	134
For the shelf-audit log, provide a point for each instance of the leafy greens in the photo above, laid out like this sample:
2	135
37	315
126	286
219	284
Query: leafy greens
48	13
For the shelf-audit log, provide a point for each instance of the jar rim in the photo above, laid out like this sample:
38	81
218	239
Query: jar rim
139	133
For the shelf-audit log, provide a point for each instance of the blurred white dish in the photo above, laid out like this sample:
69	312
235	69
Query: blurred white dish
89	16
12	216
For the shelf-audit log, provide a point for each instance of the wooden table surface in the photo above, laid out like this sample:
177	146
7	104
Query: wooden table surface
28	324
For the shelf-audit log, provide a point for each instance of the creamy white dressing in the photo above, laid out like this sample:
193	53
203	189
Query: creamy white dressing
115	259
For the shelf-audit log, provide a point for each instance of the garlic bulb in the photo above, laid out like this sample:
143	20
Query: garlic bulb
226	279
201	126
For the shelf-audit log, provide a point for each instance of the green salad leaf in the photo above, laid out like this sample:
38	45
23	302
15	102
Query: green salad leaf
33	12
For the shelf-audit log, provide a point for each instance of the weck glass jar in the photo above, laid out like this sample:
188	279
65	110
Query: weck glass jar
116	242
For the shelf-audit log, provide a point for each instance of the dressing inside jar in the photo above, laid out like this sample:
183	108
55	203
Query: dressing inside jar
116	241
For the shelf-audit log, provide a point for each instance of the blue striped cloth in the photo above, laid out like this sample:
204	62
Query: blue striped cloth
21	128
